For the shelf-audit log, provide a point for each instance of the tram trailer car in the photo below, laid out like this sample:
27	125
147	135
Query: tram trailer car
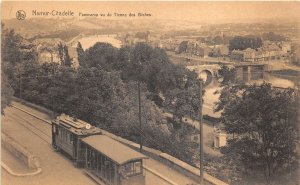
66	135
113	163
105	160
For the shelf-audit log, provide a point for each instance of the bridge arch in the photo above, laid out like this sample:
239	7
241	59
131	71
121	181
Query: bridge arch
207	76
205	72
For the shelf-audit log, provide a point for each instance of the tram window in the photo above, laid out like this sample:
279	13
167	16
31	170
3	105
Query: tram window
71	138
138	167
133	168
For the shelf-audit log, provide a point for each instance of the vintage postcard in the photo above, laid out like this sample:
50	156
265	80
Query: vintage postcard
150	92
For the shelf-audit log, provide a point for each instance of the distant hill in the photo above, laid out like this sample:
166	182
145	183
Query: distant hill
68	28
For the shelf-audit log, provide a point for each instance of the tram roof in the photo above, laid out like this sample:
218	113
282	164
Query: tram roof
113	149
77	126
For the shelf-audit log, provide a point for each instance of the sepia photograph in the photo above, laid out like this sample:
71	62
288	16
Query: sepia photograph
150	92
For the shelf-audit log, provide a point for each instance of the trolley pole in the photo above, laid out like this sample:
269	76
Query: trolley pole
201	135
140	116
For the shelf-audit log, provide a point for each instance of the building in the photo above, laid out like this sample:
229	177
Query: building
272	51
286	47
237	56
253	55
74	56
269	51
220	50
48	56
47	49
220	138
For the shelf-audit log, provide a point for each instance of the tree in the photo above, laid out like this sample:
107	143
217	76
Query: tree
64	56
217	40
184	100
102	56
226	77
10	42
142	35
81	55
273	37
68	60
6	92
264	120
241	43
182	47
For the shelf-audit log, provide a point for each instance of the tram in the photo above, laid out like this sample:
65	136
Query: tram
104	159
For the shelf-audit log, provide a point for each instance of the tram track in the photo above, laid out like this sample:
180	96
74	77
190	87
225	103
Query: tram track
33	115
48	138
31	127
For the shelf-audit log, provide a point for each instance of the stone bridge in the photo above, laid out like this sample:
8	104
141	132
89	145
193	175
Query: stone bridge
244	72
206	72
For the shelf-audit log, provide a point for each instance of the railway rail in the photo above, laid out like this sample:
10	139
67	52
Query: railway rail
48	137
32	128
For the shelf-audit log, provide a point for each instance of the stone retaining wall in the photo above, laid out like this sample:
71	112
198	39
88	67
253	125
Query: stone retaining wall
34	106
20	152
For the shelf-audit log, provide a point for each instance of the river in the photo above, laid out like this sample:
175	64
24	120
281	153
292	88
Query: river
210	97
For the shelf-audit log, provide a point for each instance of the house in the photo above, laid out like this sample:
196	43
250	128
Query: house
220	138
237	56
47	49
206	51
224	50
220	50
273	50
249	55
286	47
48	55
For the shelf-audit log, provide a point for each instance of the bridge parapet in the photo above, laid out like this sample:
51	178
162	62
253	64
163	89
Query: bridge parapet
249	71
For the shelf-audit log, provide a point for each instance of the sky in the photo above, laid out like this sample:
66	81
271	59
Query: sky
214	12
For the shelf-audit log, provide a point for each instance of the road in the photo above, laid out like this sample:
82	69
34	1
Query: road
58	169
207	135
197	60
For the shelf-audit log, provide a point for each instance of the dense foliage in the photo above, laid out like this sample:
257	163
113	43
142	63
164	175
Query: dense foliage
104	91
271	36
182	47
263	123
65	59
241	43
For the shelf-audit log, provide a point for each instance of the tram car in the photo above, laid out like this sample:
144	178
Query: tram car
104	159
66	135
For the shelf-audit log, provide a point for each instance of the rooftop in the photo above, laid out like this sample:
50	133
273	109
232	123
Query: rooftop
113	149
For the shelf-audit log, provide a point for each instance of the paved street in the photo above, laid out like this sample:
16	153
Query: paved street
58	169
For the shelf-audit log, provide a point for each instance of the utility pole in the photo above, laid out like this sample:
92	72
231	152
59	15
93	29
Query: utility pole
201	135
20	95
140	116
